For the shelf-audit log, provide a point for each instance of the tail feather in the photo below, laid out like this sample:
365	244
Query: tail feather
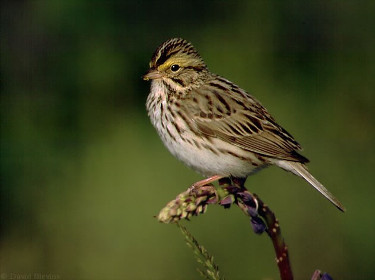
300	170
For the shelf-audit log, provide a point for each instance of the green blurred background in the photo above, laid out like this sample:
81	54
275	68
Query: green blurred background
83	172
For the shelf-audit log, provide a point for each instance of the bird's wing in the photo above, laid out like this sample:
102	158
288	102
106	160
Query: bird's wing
237	118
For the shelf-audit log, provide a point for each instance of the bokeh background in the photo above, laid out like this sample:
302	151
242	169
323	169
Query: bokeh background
83	172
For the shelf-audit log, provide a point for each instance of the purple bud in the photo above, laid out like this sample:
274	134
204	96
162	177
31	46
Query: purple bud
258	225
326	276
212	200
227	201
248	199
252	211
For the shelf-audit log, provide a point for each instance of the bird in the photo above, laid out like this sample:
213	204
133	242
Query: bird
214	126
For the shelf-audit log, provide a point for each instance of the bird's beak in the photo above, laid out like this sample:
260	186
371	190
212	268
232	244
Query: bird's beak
152	74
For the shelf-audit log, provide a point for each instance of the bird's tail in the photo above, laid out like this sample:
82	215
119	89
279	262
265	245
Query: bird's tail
300	170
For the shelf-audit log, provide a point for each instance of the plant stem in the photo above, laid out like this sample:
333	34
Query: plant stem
274	232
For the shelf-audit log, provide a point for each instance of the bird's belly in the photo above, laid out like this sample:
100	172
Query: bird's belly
214	158
207	156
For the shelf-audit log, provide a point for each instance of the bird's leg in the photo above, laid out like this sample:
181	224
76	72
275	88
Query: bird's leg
204	182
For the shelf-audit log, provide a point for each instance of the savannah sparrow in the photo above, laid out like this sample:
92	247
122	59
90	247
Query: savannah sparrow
214	126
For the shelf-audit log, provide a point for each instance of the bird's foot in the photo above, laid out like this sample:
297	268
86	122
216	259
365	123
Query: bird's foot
196	186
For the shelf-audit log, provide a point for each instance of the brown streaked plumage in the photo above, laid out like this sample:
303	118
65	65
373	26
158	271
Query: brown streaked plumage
214	126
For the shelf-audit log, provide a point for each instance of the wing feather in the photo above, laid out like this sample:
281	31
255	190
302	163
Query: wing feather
245	123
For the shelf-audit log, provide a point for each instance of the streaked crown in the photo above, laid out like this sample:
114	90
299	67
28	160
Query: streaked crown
177	50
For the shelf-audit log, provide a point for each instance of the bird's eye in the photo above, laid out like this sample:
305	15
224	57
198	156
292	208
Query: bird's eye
175	67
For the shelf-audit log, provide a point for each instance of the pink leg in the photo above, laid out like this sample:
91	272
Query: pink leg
205	182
